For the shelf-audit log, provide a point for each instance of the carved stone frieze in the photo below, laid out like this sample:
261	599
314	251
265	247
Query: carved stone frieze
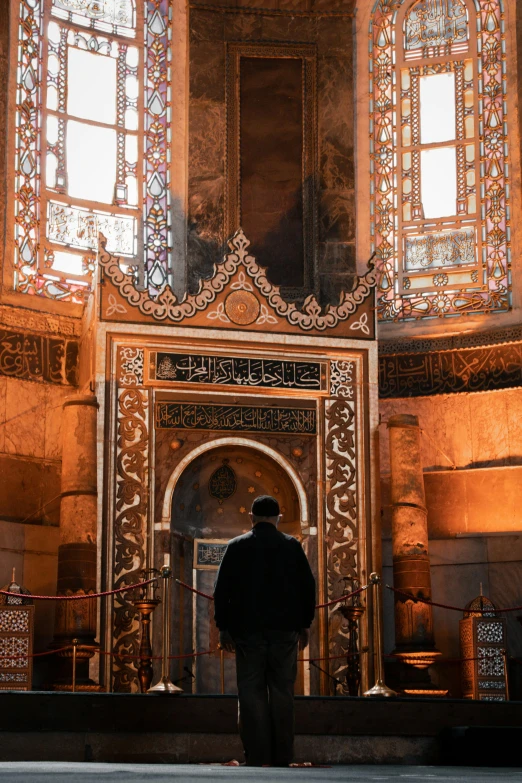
167	307
341	522
342	378
512	334
131	366
20	318
130	529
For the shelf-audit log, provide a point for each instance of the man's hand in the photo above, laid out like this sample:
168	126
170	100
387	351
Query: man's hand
226	642
304	636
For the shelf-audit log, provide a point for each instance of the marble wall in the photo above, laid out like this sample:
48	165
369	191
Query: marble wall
291	21
458	568
472	460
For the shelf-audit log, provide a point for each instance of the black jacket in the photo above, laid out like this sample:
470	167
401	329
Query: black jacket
264	582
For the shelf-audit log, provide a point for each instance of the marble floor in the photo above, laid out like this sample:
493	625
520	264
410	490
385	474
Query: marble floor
59	772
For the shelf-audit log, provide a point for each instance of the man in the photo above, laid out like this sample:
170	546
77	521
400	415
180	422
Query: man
264	605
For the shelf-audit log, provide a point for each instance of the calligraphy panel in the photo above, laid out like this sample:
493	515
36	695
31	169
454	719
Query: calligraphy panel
208	553
35	357
235	418
238	371
446	372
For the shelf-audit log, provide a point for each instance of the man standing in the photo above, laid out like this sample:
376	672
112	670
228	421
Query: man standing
264	606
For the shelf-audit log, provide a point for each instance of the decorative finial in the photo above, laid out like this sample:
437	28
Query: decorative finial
13	575
481	593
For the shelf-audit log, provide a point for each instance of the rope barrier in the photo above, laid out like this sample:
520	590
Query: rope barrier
449	606
342	598
79	597
318	606
153	657
193	589
331	657
96	651
6	657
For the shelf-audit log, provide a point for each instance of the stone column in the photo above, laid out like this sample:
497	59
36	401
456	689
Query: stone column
78	526
414	638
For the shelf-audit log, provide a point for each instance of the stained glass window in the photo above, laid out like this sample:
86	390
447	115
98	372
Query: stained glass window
439	198
92	135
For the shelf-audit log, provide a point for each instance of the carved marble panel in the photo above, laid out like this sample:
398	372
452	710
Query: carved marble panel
341	522
130	529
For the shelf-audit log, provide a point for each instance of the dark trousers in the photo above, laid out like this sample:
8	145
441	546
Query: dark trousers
266	664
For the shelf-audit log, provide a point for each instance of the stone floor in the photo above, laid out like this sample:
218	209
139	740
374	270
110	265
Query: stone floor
58	772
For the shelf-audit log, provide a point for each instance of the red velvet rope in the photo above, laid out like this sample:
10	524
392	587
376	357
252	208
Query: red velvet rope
79	597
318	606
448	606
193	589
342	598
34	655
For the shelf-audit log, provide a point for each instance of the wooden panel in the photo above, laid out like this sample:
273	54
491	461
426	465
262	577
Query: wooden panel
271	152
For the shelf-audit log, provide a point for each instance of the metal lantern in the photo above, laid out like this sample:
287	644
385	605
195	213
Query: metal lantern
483	648
16	638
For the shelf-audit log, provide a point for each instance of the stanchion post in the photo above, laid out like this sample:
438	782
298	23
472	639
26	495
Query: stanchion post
380	688
74	646
165	685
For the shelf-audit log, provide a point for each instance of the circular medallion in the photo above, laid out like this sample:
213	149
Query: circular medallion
242	307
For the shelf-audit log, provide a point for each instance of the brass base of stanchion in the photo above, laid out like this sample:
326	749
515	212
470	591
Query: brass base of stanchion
380	689
165	686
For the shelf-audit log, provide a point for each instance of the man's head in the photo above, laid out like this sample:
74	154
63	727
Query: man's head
265	508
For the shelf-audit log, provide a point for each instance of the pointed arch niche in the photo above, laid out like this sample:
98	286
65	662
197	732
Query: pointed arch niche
438	158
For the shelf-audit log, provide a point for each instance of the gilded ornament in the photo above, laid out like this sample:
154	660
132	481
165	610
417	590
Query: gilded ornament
176	444
222	483
242	307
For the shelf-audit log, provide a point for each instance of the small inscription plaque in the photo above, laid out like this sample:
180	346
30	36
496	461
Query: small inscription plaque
238	371
208	553
235	418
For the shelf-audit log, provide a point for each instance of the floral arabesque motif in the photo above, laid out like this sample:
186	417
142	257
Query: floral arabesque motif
129	530
341	522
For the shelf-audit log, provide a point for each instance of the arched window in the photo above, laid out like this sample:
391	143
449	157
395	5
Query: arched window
440	218
91	142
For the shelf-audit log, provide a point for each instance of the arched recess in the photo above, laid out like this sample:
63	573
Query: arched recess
247	443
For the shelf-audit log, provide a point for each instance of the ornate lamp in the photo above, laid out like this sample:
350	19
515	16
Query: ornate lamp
483	642
16	637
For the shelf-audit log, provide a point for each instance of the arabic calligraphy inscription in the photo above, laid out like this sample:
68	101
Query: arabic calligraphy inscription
208	553
223	482
446	372
235	418
238	371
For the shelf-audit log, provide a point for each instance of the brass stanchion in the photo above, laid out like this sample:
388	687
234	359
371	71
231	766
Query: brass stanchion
222	663
146	603
74	645
165	685
380	688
